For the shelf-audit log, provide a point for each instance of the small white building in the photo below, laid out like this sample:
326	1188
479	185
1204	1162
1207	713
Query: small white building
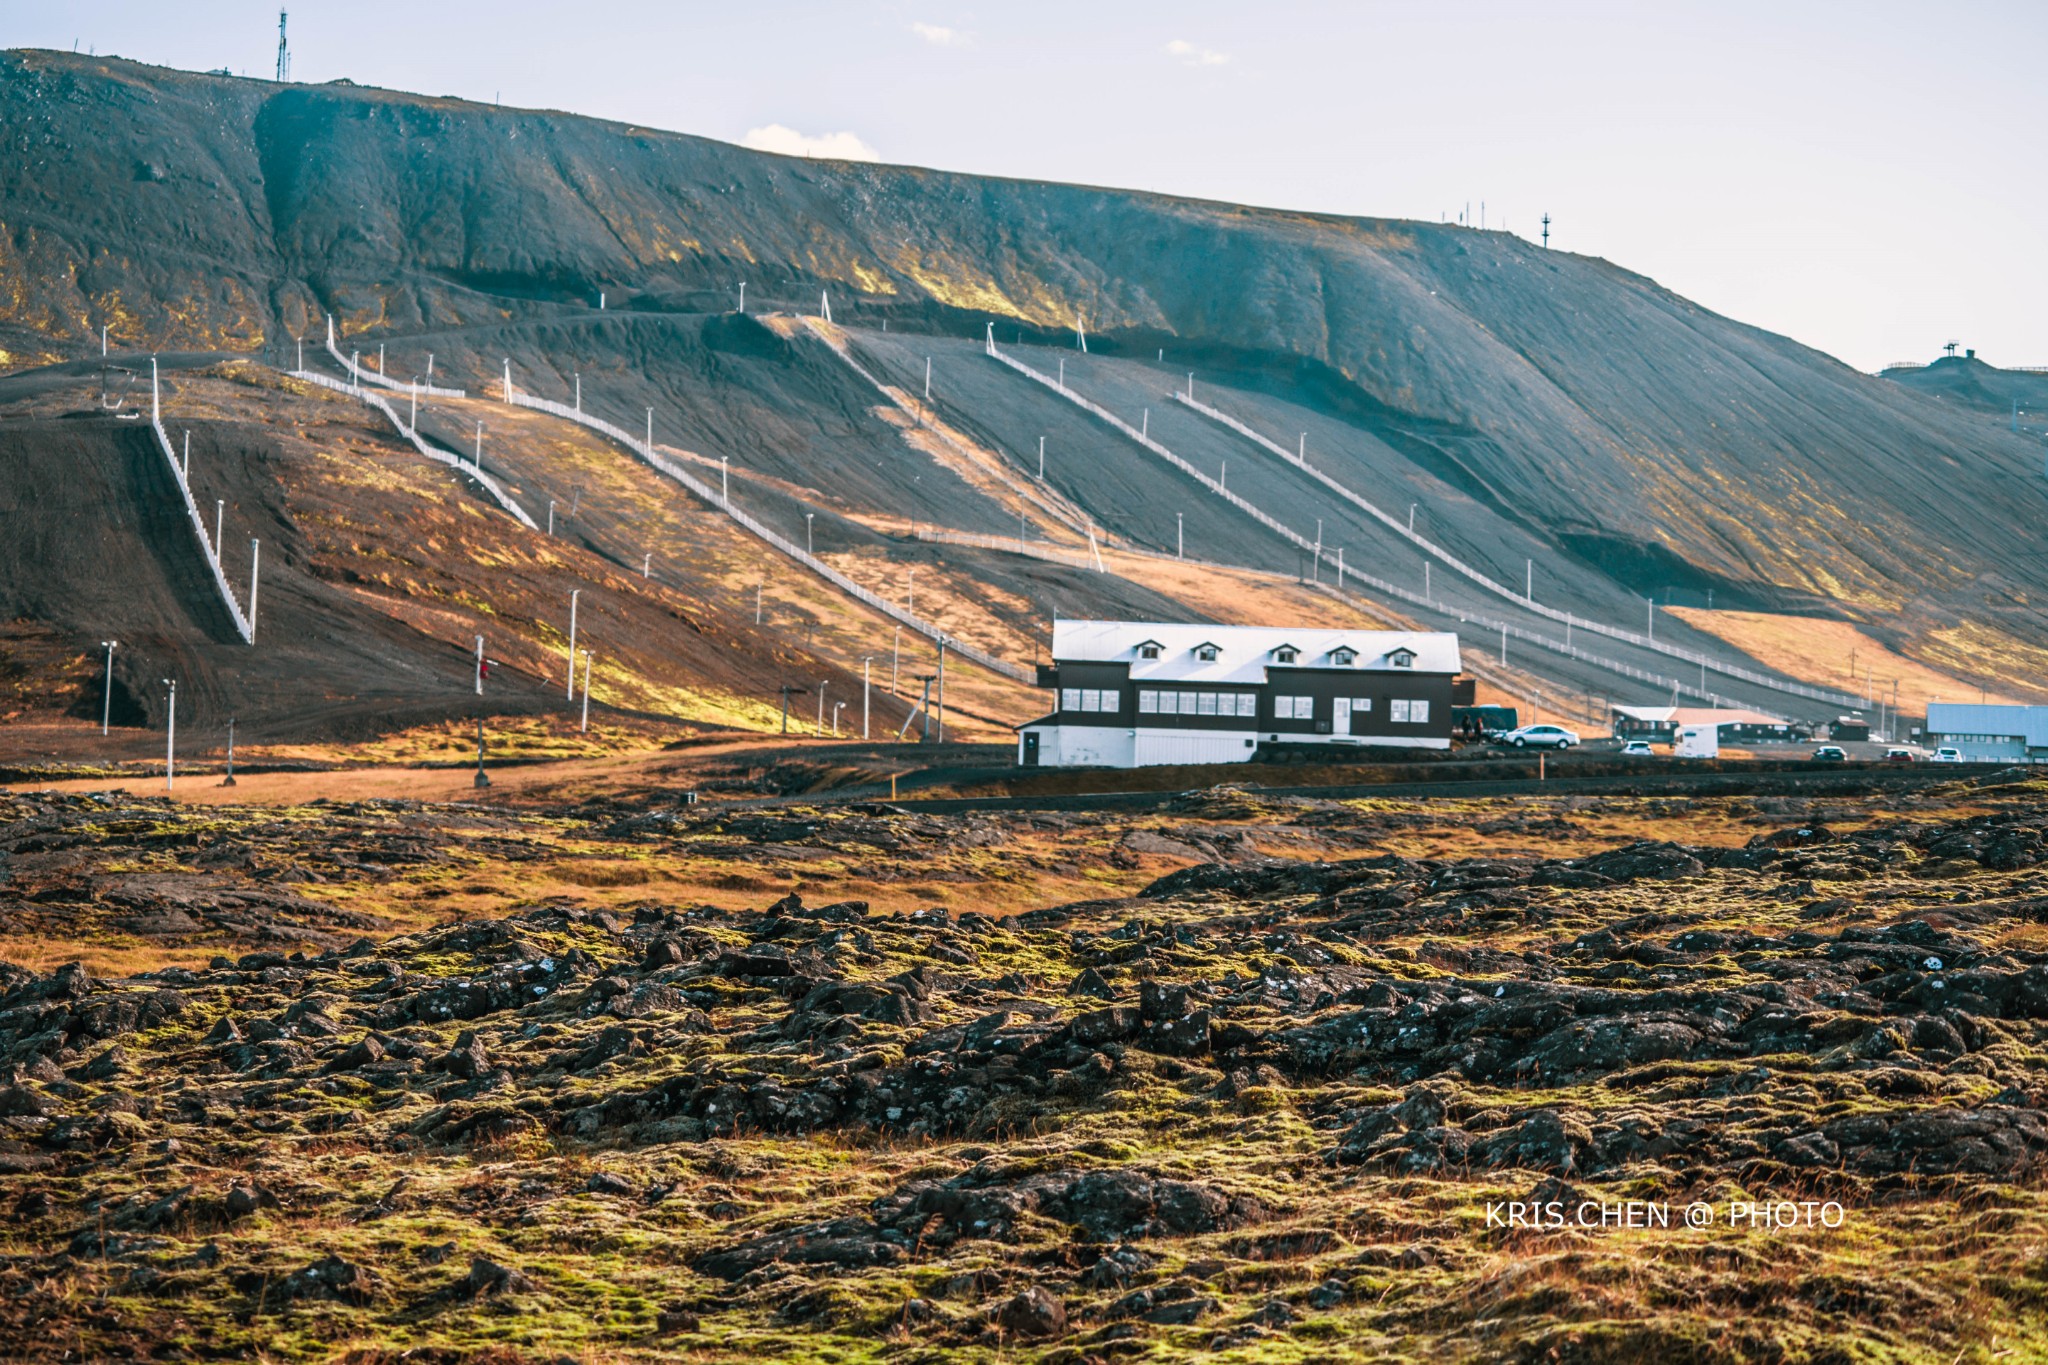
1133	693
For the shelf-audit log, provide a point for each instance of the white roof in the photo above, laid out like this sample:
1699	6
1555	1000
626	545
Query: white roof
1244	653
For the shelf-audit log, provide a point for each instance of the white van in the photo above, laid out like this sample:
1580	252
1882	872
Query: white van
1697	741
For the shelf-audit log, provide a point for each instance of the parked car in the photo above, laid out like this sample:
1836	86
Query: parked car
1540	737
1900	756
1947	755
1638	748
1830	753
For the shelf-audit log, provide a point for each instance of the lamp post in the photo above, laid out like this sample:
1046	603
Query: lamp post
1411	518
807	532
171	734
585	727
1180	541
573	595
229	780
821	704
479	665
864	695
107	704
837	707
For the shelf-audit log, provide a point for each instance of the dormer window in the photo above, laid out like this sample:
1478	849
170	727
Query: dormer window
1150	649
1343	657
1401	658
1285	654
1207	653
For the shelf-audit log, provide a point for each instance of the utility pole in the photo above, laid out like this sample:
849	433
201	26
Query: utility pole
942	689
787	692
220	511
171	734
1041	459
1180	545
479	665
1546	231
284	54
483	779
837	707
229	780
1651	603
743	296
808	517
551	516
255	558
478	458
646	562
822	683
1316	567
579	393
757	604
1529	588
585	728
573	595
107	704
864	687
895	658
724	481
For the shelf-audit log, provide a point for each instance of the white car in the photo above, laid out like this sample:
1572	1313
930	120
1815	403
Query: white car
1540	737
1947	756
1638	748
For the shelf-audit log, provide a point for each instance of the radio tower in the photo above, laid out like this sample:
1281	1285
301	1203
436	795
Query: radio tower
284	55
1546	232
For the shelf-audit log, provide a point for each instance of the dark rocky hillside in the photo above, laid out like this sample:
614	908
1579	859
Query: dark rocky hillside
1638	431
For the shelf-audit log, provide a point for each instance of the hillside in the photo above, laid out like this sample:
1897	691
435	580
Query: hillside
1537	406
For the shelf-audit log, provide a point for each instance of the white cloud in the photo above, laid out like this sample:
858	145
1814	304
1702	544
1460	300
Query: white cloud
789	142
938	35
1187	54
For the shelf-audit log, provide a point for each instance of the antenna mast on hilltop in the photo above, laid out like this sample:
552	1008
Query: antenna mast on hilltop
1546	232
284	55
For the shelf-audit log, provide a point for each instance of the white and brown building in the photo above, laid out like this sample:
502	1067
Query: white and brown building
1131	693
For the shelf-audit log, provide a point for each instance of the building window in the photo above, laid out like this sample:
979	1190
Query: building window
1248	703
1343	657
1401	658
1286	654
1402	711
1206	653
1207	703
1294	708
1148	701
1148	650
1070	699
1418	712
1361	703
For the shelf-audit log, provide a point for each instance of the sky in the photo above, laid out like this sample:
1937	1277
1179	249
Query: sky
1864	177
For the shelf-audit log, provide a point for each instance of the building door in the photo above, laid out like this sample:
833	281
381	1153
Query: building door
1031	748
1340	716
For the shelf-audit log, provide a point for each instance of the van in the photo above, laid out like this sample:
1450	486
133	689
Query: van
1697	741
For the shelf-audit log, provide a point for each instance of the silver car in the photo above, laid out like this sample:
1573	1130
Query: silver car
1540	737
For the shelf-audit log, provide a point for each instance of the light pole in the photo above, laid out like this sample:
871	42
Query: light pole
479	457
171	734
107	705
1316	566
1411	518
895	659
585	728
579	393
255	561
551	516
724	480
864	695
220	511
415	423
1651	604
646	562
1041	459
821	704
743	296
837	707
573	595
229	780
807	531
1180	541
479	665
